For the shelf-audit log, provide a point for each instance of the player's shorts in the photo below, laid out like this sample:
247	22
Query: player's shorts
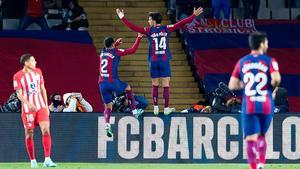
107	88
160	69
256	123
32	119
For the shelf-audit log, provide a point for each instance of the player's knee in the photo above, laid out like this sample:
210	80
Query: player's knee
29	133
128	87
252	137
45	131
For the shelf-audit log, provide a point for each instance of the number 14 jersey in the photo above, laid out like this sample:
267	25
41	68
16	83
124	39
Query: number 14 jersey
255	74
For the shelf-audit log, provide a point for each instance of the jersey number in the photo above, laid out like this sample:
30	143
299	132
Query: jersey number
160	45
261	80
29	117
104	63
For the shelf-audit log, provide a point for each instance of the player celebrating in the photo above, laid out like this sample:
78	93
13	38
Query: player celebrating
258	74
159	52
109	81
30	88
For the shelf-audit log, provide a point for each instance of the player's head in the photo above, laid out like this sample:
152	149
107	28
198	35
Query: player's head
154	18
258	41
28	61
109	42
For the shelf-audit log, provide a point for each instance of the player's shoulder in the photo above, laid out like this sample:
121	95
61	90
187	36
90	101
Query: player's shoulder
18	74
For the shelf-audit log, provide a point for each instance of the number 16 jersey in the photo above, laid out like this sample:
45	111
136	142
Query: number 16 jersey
255	74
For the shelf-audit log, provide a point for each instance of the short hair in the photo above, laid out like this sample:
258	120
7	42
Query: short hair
25	57
53	95
108	42
255	39
156	17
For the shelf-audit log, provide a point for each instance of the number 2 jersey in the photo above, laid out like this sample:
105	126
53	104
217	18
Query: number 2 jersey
255	74
109	61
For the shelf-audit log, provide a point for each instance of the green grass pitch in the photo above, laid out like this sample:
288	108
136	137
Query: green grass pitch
145	166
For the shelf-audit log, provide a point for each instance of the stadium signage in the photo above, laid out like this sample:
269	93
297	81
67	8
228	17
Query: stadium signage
238	26
192	139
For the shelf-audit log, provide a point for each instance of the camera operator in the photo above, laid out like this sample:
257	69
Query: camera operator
120	103
12	105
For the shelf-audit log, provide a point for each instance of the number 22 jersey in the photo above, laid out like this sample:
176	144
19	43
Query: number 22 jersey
255	74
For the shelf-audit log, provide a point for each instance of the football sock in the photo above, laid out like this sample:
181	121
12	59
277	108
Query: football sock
262	148
251	152
155	95
47	144
166	96
107	112
30	147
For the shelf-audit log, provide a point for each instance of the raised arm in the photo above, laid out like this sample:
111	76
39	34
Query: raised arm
172	28
128	51
130	25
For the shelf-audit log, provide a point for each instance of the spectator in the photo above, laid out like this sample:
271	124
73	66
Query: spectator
76	18
185	8
221	5
75	103
251	8
56	103
34	14
120	103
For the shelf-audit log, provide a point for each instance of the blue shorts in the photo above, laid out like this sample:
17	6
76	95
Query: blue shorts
107	89
160	69
256	123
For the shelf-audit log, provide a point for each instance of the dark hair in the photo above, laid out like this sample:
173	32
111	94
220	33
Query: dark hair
255	39
108	41
25	57
156	17
53	95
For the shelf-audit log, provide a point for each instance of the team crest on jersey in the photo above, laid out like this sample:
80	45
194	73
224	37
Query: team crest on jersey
32	88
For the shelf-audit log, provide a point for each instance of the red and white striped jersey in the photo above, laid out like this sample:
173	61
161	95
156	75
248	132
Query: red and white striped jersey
30	83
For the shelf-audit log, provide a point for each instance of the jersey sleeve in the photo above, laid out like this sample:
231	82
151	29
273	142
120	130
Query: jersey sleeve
128	51
172	28
236	70
134	27
17	82
274	66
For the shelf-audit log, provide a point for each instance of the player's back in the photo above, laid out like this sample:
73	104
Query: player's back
255	73
158	41
109	61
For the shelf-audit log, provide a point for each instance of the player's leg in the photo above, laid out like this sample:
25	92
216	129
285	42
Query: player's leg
106	94
28	120
107	111
154	73
265	121
165	73
155	85
129	94
29	142
251	128
44	123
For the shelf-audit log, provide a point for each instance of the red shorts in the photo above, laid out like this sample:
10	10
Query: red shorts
32	119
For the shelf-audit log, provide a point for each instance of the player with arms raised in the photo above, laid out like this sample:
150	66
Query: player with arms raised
30	88
109	81
257	74
159	52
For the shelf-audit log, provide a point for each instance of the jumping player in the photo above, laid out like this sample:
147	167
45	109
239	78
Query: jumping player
30	88
109	81
159	52
257	74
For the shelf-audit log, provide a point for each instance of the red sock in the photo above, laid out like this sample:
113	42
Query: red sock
251	152
47	144
262	148
30	147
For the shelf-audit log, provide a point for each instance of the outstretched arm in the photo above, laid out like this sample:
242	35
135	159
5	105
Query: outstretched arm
128	51
172	28
129	24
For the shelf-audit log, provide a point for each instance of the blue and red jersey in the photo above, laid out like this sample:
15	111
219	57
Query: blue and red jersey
255	74
158	38
109	61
